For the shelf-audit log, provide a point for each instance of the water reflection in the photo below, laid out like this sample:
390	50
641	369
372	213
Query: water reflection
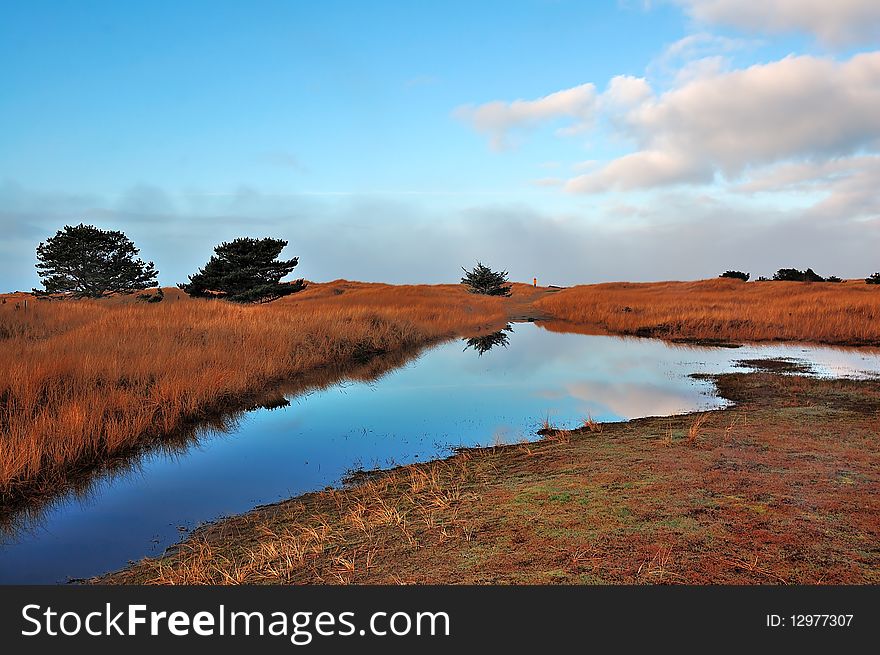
485	343
27	517
392	410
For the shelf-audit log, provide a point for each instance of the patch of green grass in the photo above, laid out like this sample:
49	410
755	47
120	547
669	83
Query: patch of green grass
568	534
623	512
477	555
687	525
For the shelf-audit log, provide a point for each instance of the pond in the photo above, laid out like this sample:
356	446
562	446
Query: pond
484	392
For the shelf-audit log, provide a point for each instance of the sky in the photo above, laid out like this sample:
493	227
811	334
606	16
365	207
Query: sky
570	141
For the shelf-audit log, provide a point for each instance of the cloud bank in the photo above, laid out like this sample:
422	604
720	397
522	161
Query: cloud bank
799	107
835	23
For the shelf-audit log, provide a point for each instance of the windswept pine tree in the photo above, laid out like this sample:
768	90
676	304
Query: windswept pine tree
88	262
245	270
484	280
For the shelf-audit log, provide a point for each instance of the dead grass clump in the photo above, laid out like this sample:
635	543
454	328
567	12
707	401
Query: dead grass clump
335	536
589	425
695	428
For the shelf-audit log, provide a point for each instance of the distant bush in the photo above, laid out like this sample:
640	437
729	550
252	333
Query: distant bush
833	278
736	275
763	279
794	275
874	278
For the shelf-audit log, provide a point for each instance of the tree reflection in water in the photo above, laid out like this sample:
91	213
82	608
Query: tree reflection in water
485	343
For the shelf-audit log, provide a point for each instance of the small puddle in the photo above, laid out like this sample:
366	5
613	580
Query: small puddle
462	393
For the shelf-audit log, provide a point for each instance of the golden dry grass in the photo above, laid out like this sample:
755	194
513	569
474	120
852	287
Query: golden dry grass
335	536
729	310
83	380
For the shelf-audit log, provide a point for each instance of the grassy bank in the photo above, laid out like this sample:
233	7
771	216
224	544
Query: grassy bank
82	381
783	487
846	313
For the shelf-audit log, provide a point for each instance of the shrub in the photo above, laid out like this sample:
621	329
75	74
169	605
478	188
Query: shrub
794	275
484	280
736	275
874	278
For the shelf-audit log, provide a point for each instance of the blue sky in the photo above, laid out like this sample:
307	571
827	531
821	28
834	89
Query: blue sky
397	141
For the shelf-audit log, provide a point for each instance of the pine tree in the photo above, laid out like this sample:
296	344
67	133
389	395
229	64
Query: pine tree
89	262
484	280
245	270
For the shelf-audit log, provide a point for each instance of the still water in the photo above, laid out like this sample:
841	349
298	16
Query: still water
451	395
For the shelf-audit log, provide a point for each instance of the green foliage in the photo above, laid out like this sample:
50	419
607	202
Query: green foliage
159	296
873	278
89	262
484	280
245	270
736	275
794	275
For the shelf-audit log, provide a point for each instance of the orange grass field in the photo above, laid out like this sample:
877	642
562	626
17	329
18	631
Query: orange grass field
844	313
83	380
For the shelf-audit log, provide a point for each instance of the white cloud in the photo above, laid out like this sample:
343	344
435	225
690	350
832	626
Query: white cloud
796	108
498	118
625	92
849	185
696	55
833	22
647	168
803	175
